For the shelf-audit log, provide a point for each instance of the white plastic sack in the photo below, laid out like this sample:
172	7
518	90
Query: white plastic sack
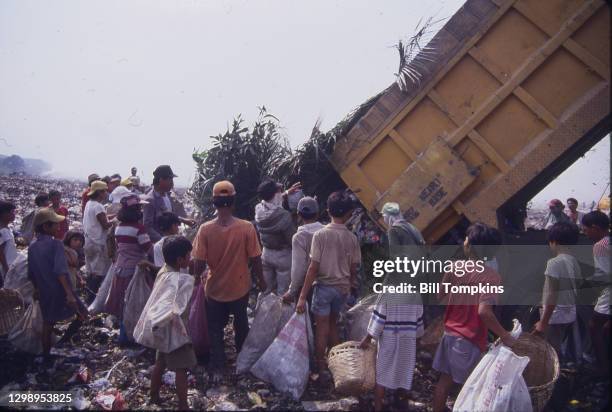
357	318
160	325
17	278
136	296
496	383
26	335
271	316
97	306
286	364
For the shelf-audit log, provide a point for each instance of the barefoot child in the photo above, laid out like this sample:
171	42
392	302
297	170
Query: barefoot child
177	254
48	271
334	258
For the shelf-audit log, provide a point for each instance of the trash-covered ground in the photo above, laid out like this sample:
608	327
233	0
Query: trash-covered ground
105	376
94	366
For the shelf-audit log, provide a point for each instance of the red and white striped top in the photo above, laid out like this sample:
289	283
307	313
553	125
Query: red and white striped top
133	243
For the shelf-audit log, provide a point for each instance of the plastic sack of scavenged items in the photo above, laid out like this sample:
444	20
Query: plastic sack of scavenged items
26	335
286	363
17	278
161	325
136	296
270	317
496	383
198	324
97	306
354	322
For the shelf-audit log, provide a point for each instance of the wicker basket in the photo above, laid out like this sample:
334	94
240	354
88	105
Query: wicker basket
353	369
542	371
11	309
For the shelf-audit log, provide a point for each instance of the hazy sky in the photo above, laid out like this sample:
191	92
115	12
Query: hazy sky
99	86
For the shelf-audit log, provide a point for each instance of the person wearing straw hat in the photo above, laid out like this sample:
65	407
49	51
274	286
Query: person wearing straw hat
128	183
397	320
85	196
48	270
95	227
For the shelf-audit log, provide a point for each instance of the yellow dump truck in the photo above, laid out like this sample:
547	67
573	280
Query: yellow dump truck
516	92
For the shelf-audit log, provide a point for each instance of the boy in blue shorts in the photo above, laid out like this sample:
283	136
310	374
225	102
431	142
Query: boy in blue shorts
334	259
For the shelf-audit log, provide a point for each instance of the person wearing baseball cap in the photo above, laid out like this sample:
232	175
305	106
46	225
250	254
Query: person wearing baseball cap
276	228
308	213
555	214
95	228
159	201
335	256
227	245
84	196
49	274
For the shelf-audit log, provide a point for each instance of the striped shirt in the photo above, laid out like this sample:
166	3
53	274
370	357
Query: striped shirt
133	243
396	328
396	319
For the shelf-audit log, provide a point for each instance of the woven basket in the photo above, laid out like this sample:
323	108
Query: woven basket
353	369
11	309
542	371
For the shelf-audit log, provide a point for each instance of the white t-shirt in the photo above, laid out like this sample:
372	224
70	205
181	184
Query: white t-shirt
10	250
167	202
91	226
158	255
565	269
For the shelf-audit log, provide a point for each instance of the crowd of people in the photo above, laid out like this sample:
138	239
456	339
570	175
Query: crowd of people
289	252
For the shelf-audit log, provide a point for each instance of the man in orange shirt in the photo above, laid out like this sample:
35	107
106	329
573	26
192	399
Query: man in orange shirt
227	245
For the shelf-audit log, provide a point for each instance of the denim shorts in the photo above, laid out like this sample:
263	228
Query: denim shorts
327	299
457	357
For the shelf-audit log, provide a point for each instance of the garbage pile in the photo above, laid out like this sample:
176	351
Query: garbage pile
104	376
21	190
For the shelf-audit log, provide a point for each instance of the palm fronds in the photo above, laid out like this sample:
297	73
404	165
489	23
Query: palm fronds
415	53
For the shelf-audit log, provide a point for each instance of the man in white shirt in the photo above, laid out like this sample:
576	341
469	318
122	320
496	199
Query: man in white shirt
559	295
95	227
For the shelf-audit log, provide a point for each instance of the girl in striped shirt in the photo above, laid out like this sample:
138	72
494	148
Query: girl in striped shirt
133	245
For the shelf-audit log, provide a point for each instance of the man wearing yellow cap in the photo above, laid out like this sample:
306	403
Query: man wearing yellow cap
49	273
227	245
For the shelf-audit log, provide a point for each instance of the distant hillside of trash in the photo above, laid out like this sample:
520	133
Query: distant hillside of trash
15	164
